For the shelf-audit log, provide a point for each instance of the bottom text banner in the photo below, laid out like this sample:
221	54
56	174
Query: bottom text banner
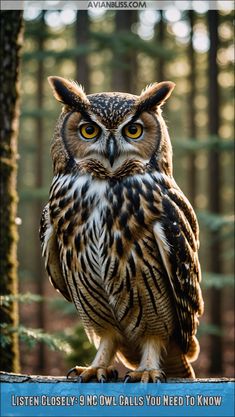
76	399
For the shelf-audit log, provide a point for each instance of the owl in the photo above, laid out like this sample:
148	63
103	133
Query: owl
119	238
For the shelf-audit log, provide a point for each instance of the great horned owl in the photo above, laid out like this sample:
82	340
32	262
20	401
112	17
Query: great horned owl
119	237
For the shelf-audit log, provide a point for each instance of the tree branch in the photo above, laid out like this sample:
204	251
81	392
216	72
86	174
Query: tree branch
12	378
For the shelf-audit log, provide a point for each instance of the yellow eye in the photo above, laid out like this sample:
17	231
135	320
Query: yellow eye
133	131
89	130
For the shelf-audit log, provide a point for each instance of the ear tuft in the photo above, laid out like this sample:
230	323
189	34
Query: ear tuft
155	95
68	92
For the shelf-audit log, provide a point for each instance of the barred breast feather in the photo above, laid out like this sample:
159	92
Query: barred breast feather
114	243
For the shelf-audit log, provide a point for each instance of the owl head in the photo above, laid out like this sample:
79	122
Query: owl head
111	130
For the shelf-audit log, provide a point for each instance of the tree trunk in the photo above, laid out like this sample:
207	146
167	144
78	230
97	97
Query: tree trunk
38	267
124	72
11	39
191	114
160	38
216	366
82	38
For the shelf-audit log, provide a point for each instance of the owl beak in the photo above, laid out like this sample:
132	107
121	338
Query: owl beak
111	150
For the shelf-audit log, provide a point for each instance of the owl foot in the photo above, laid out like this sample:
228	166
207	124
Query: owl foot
87	373
145	376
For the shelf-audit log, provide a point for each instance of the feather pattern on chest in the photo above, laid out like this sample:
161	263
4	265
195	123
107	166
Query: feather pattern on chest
110	257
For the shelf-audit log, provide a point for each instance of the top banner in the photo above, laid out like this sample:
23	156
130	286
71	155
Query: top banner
116	4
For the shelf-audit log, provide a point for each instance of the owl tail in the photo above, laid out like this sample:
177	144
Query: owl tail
176	364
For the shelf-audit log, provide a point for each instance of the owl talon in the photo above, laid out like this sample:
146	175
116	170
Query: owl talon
145	376
127	379
102	379
162	377
71	371
100	374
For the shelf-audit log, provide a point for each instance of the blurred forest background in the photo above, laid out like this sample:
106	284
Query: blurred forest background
125	51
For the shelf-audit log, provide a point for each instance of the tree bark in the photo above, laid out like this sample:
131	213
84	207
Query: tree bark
38	267
82	38
11	39
216	353
160	39
192	124
124	72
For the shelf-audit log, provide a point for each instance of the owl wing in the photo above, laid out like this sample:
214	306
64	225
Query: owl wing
50	251
176	234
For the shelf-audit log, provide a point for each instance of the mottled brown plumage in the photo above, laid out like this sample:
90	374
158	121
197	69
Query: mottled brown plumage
119	237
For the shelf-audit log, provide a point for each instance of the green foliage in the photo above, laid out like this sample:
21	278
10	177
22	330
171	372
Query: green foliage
63	306
123	42
83	351
21	298
217	280
33	336
59	55
212	143
27	335
32	194
215	222
209	329
37	113
119	42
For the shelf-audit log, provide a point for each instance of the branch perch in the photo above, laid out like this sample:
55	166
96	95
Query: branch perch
21	378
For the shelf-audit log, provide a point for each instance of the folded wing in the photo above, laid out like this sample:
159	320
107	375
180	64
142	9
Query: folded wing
50	253
176	233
